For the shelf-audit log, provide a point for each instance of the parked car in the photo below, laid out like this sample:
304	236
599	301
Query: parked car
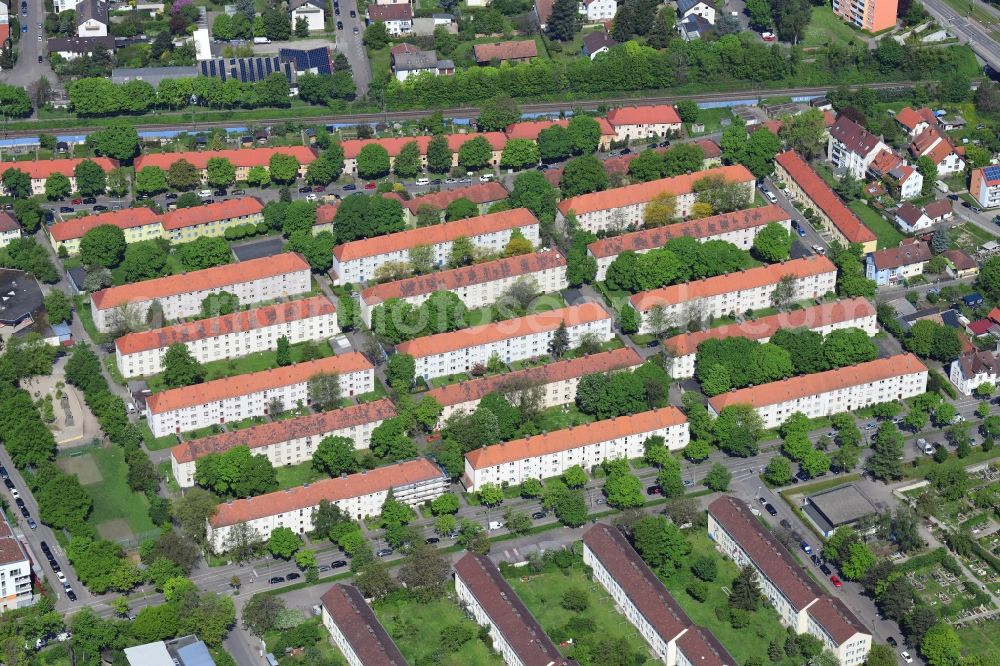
891	641
32	524
276	579
71	594
787	525
14	492
538	515
420	182
432	540
319	188
66	209
239	193
806	548
338	564
340	24
24	512
9	484
370	186
654	490
355	28
825	569
292	576
770	509
385	552
836	581
354	14
350	186
5	475
90	201
303	190
77	201
171	196
815	559
906	657
99	208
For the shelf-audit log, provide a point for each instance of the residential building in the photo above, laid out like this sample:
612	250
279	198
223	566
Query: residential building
352	147
511	340
92	18
597	42
9	229
557	381
938	210
543	12
398	18
15	570
623	207
713	153
911	219
530	129
243	159
252	281
598	11
253	69
477	285
550	454
360	495
960	264
229	336
733	293
645	602
71	48
887	165
687	8
505	52
806	187
845	389
936	146
852	148
407	60
739	228
355	630
694	27
915	121
186	224
313	11
483	195
824	318
359	261
984	186
894	265
285	442
40	170
801	604
644	122
974	368
869	15
138	224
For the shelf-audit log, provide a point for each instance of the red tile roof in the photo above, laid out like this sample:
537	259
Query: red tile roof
649	239
885	162
246	320
127	218
360	627
723	284
820	382
376	480
904	255
397	12
393	145
836	618
209	278
476	389
645	192
313	425
530	129
254	382
659	114
247	157
938	209
910	118
8	223
981	327
543	11
480	193
11	550
505	50
4	32
41	169
326	213
709	147
439	233
440	343
574	437
214	212
961	260
824	198
815	317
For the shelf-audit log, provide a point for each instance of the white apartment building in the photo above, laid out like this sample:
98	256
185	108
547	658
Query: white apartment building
236	398
15	570
984	185
511	339
557	381
551	454
739	228
358	260
734	293
598	11
355	629
644	122
800	603
491	601
645	602
622	207
359	495
313	11
286	442
253	281
852	148
9	229
39	171
824	393
823	319
477	285
974	368
229	336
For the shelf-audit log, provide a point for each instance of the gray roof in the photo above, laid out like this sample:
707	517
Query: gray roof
597	40
295	4
420	60
20	295
842	505
685	5
92	9
150	654
152	75
79	44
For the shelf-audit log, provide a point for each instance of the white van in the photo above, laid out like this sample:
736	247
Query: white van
485	178
261	40
769	195
423	181
495	525
204	194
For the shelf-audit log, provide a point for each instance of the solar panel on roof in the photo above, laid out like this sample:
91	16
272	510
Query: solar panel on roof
992	172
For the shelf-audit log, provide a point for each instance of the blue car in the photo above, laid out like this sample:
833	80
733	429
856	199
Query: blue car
24	28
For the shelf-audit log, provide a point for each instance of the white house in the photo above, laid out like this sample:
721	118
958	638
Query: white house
936	146
644	122
313	11
398	18
700	8
92	18
598	11
887	164
974	368
915	121
9	229
15	570
355	629
852	148
407	60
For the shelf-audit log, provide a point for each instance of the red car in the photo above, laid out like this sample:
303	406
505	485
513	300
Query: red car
836	581
370	186
77	201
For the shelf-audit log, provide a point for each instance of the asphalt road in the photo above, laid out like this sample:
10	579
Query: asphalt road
27	69
967	30
350	45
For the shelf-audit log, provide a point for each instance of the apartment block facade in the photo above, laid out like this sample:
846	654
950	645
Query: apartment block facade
229	336
852	148
800	603
482	194
972	369
477	285
40	170
984	185
286	442
512	340
825	393
253	281
357	261
355	630
236	398
644	122
138	224
870	15
550	454
733	293
359	495
243	160
15	570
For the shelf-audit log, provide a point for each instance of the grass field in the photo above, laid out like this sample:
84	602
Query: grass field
826	28
981	640
290	476
711	119
969	237
155	443
488	314
113	500
888	235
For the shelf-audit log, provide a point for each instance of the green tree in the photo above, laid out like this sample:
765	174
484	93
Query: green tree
885	463
335	456
180	368
496	113
718	478
407	163
519	154
564	22
623	490
460	209
29	214
373	162
283	169
738	429
204	252
439	154
490	494
773	243
475	153
119	141
103	245
927	169
555	143
582	175
90	179
182	175
16	182
559	344
575	477
221	172
941	646
445	504
660	544
58	307
283	543
584	134
151	180
57	186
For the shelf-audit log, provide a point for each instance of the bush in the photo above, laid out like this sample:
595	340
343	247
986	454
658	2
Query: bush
698	590
575	600
739	618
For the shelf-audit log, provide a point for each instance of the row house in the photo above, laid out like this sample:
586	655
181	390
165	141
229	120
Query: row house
285	442
241	397
852	148
845	389
15	570
509	52
515	633
822	319
623	207
40	170
138	224
984	186
632	123
806	187
530	129
253	281
800	603
973	369
360	495
550	454
483	195
887	165
645	602
511	340
739	228
358	261
477	285
355	630
894	265
393	145
243	159
556	381
228	336
9	229
733	293
935	145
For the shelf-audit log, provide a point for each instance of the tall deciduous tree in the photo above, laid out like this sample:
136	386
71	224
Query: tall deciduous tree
104	245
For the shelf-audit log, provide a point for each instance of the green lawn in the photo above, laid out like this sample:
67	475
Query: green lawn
981	640
888	235
290	476
155	443
827	28
969	237
489	314
82	307
711	119
112	497
328	652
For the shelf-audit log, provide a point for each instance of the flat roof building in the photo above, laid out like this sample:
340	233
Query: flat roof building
844	505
